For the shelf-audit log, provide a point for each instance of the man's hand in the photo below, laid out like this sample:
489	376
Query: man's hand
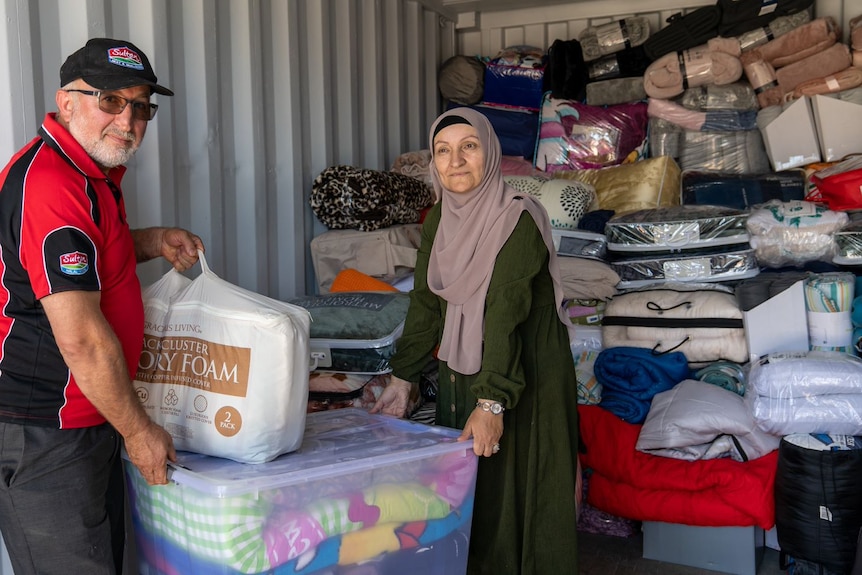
180	247
149	450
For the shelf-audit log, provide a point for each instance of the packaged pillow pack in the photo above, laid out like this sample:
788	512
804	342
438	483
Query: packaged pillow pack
224	370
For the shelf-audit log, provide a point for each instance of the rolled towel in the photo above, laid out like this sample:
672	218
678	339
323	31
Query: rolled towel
775	29
761	76
738	16
802	42
725	45
628	63
598	41
684	31
672	74
829	61
850	77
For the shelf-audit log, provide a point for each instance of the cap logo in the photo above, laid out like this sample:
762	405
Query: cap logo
74	263
125	57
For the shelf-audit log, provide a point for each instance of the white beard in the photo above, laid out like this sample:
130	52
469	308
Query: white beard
104	154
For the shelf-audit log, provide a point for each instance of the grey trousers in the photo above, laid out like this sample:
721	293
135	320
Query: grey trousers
61	499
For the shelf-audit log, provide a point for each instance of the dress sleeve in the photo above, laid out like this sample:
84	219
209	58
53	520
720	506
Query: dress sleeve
509	303
424	323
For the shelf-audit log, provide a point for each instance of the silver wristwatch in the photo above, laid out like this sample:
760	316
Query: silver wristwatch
494	407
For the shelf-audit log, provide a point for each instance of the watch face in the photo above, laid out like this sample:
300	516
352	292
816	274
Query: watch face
496	408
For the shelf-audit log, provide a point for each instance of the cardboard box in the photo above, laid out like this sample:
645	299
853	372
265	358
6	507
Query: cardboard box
737	550
791	138
324	507
780	324
839	124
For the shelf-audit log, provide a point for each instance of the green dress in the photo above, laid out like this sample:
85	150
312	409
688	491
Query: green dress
524	520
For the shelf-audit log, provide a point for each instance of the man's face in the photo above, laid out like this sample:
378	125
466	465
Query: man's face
110	139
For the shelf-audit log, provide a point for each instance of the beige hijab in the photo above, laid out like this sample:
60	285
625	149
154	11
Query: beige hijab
473	228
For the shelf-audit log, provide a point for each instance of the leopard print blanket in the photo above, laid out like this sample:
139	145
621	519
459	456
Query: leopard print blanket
347	197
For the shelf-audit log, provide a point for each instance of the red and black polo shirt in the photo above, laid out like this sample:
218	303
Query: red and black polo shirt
62	227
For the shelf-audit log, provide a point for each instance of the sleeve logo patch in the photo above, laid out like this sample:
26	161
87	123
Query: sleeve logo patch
125	57
74	263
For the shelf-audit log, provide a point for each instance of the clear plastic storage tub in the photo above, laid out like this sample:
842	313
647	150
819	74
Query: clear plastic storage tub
363	489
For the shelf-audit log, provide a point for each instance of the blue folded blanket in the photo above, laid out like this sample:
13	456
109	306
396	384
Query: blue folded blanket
631	376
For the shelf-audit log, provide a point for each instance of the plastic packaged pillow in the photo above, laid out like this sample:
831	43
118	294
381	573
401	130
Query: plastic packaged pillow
224	370
792	233
574	136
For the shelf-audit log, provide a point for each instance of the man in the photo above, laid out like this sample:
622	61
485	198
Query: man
71	319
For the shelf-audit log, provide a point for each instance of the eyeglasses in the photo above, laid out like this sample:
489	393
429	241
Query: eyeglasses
114	104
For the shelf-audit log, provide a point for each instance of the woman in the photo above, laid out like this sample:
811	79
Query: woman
487	296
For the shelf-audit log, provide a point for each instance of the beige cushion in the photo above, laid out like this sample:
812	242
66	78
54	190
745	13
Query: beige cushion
566	201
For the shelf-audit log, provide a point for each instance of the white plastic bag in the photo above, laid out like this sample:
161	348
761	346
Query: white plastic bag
224	369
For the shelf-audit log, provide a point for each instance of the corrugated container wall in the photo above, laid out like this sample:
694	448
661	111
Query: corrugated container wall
268	94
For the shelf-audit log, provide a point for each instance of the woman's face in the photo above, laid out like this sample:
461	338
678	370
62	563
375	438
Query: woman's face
459	158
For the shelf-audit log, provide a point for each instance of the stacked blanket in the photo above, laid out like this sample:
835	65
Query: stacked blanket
645	487
808	392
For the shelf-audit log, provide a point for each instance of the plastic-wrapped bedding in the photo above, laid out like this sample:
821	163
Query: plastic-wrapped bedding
792	233
676	228
711	265
808	392
801	374
738	152
733	96
848	244
741	191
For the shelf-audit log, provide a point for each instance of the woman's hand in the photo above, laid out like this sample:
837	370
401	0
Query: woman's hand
486	429
394	399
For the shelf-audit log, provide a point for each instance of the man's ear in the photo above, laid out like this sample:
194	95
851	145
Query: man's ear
65	104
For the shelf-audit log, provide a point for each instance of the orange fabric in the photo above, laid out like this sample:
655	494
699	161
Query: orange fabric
350	279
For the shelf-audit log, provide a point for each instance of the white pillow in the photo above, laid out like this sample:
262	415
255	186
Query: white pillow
566	201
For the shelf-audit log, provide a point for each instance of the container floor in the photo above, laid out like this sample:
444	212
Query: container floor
608	555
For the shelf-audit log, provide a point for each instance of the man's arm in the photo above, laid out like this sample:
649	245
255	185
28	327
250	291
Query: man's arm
94	355
178	246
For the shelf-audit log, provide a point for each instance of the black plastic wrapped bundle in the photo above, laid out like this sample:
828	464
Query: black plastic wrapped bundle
818	504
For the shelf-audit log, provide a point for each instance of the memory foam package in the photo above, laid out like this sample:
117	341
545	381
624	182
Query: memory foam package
224	370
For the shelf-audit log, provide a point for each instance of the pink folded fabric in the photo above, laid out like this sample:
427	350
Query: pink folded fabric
850	77
800	43
673	73
829	61
773	86
673	112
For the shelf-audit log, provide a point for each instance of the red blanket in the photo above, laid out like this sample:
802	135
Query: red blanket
645	487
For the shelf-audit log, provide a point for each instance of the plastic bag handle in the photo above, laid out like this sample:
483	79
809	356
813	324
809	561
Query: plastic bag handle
205	269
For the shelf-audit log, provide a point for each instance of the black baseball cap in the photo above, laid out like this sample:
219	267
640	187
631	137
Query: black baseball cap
108	64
